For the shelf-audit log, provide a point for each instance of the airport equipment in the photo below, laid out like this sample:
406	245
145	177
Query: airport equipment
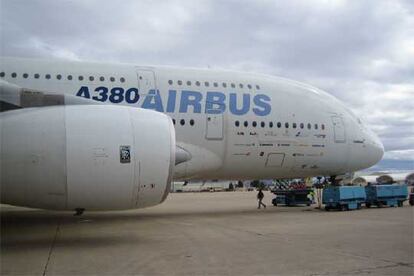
343	197
292	197
386	195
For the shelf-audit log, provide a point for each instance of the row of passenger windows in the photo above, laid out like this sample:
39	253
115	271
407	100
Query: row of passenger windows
191	122
60	77
214	84
279	125
182	122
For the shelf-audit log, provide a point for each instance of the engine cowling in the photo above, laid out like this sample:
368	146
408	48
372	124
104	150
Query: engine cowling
91	157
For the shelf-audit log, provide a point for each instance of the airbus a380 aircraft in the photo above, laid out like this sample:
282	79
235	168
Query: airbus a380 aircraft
92	136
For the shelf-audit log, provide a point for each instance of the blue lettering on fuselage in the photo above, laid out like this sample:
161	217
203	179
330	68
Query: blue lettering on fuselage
214	102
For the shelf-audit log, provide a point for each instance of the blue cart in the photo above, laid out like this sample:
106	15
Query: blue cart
343	197
386	195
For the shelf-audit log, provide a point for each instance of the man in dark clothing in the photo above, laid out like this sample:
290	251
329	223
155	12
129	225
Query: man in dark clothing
260	197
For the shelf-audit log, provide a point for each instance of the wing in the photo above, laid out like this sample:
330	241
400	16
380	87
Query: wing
14	97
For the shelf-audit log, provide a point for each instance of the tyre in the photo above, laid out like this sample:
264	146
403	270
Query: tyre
359	206
327	208
344	207
400	203
368	205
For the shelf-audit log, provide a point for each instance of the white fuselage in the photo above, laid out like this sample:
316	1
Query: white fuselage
234	125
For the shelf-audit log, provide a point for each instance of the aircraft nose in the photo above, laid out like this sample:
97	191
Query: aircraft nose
375	149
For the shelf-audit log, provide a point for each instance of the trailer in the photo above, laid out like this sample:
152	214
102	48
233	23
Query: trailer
386	195
292	197
343	197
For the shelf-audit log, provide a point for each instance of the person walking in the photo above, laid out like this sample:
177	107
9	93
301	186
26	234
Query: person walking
260	197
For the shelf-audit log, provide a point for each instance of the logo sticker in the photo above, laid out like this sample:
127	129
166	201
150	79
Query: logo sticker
125	154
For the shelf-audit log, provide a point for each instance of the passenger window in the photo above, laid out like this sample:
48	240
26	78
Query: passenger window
323	126
179	82
182	122
191	122
279	124
69	77
207	84
13	75
237	123
316	126
112	79
173	121
233	85
241	85
257	87
2	74
249	86
309	126
122	79
91	78
262	124
59	77
197	83
224	85
47	76
286	125
302	125
101	78
188	83
36	76
80	78
215	84
254	124
294	125
25	75
271	124
170	82
246	124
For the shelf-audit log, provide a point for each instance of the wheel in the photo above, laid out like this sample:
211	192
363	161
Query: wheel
411	202
344	207
368	205
327	208
400	203
359	206
380	204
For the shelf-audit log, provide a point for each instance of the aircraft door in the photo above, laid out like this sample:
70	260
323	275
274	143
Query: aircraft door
214	127
146	81
339	129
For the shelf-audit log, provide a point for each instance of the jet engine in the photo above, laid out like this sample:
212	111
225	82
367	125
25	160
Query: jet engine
92	157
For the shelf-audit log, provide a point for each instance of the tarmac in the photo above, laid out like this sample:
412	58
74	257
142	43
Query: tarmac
208	234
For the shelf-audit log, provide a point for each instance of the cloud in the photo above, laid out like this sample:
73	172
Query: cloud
360	51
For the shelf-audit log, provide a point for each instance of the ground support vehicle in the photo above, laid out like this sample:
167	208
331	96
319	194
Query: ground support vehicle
343	197
386	195
292	197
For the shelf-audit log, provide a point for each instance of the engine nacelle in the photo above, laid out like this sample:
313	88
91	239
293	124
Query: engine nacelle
93	157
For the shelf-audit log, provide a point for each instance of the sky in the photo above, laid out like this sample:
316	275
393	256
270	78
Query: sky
362	52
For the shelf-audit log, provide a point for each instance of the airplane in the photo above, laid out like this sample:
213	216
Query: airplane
96	136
